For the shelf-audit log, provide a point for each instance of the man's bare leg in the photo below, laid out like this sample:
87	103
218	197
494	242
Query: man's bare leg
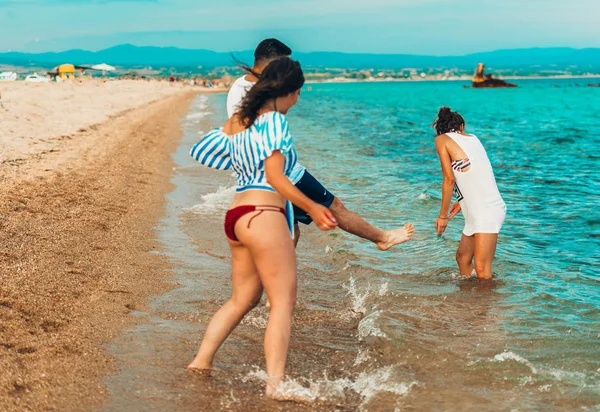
296	234
353	223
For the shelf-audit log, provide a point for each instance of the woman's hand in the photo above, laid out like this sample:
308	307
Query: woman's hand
454	210
441	223
322	217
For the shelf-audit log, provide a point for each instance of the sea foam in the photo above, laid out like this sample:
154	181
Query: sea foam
216	202
366	384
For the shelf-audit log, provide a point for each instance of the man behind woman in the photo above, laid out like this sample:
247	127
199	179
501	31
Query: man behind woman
349	221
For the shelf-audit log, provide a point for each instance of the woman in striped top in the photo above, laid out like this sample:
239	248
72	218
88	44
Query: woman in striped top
256	143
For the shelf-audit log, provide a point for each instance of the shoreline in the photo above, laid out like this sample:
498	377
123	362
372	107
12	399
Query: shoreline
558	77
78	232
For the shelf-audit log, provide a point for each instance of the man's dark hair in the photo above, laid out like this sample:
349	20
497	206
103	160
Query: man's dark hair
280	78
270	49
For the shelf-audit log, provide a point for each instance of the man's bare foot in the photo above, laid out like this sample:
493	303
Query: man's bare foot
396	237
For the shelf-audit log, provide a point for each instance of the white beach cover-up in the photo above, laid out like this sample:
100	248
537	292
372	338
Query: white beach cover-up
476	190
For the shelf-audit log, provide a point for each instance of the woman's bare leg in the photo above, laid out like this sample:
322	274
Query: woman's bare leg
247	290
464	255
296	239
272	249
485	249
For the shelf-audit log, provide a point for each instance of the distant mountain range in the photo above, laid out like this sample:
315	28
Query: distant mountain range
133	56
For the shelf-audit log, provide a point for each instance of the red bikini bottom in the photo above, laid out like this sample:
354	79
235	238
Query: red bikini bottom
235	214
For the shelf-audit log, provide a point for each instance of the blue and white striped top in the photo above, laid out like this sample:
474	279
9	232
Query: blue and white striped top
245	152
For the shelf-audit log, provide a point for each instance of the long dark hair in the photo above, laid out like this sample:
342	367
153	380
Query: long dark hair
280	78
447	121
243	66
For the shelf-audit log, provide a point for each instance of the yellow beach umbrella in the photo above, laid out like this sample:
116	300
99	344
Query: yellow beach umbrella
65	69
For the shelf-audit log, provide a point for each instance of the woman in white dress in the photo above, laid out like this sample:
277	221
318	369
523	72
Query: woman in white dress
468	173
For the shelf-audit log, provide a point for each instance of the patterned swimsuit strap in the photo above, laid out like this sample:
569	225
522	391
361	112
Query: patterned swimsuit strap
265	208
460	165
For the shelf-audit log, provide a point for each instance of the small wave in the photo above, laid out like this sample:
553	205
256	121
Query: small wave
504	356
197	115
215	202
423	196
559	374
366	384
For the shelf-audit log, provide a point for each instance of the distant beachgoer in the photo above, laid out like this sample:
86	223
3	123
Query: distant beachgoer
467	171
349	221
2	104
256	143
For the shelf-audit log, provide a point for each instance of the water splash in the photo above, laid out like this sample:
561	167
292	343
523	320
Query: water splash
368	326
362	357
255	319
358	297
366	384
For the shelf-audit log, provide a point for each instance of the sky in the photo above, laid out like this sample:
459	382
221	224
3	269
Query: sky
428	27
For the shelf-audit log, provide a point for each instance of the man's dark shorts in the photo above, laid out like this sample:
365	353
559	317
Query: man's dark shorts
314	191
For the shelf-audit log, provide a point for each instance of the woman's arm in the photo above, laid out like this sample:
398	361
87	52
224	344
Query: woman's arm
447	183
274	165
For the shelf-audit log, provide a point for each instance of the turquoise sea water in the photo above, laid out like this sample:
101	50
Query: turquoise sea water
371	145
528	339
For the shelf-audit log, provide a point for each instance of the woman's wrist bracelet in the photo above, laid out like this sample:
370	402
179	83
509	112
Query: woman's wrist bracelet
441	217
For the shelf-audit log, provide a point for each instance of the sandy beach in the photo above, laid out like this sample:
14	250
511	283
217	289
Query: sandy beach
84	171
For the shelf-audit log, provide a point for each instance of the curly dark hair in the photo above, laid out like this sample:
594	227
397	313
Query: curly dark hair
447	121
280	78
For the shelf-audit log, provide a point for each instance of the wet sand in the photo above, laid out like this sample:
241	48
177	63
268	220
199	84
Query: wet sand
76	242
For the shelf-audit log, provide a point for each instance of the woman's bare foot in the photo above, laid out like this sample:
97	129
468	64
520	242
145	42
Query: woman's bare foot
201	372
197	366
396	237
273	384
